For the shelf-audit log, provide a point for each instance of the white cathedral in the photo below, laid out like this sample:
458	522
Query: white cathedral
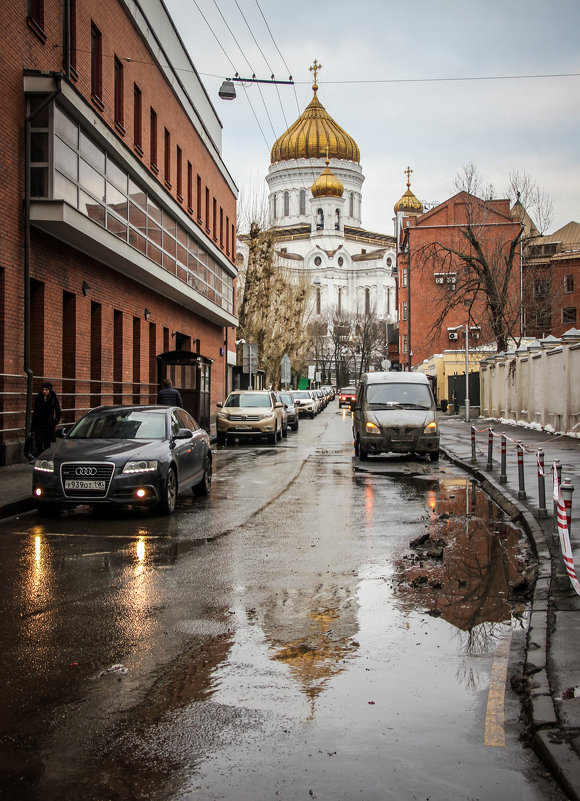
315	210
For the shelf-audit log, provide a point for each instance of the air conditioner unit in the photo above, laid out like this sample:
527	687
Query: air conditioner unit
453	335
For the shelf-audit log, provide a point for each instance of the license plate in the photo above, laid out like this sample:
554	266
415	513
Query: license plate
81	484
242	427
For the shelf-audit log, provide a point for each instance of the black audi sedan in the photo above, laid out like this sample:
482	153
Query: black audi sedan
138	456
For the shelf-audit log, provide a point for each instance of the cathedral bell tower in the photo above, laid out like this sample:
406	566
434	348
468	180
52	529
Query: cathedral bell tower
327	204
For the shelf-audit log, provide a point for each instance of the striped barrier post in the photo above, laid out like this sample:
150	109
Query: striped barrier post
567	490
521	479
489	465
557	482
542	511
473	456
503	469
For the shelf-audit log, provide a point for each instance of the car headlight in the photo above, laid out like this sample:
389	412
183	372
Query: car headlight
371	428
44	465
140	466
430	428
223	415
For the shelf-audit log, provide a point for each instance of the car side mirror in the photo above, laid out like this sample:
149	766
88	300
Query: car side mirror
61	433
278	405
219	404
184	433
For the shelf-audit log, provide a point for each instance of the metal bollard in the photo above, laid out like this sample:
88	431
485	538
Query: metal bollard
473	456
567	490
521	480
489	465
503	473
558	479
542	511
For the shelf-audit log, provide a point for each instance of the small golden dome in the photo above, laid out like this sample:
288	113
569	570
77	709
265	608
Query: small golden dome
327	184
409	204
313	135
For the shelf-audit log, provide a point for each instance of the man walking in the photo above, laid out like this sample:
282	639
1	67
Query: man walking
168	395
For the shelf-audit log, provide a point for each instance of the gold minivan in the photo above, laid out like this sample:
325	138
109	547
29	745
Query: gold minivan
394	412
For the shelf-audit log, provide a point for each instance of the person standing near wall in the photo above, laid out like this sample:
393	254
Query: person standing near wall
45	417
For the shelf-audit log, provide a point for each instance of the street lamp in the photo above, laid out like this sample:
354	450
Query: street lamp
227	90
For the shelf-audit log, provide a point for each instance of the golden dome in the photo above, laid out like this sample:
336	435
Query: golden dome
327	184
313	135
409	204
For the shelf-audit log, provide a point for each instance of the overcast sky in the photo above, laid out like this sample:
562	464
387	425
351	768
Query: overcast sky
379	62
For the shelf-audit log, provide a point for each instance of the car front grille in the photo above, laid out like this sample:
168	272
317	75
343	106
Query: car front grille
245	418
89	480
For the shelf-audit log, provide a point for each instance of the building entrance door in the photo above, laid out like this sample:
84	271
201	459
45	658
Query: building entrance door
190	373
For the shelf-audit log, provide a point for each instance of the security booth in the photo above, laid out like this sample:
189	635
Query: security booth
190	373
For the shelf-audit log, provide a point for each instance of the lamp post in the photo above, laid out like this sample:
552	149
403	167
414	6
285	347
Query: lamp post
467	410
227	90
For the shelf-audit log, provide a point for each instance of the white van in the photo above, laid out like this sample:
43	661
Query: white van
395	412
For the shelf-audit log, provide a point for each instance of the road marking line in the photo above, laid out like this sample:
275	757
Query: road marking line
494	734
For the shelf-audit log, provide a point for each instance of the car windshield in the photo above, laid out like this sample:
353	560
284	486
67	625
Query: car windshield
399	396
249	399
286	397
120	424
348	391
302	393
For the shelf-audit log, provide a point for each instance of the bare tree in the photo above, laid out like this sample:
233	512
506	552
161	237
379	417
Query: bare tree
369	339
479	259
272	307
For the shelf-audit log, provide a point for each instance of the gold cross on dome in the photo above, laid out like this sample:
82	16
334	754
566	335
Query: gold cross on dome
408	172
315	68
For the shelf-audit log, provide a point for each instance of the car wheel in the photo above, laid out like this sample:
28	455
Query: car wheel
221	438
312	415
285	431
167	505
363	454
355	446
295	425
434	456
48	509
203	489
273	437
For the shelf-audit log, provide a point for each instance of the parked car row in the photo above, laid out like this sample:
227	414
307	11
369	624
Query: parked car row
265	413
145	456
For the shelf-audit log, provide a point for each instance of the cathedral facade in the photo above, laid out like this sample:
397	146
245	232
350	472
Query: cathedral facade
315	195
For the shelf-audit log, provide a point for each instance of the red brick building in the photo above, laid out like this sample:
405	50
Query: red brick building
552	282
117	213
432	274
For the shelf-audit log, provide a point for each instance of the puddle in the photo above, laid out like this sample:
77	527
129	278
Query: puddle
471	565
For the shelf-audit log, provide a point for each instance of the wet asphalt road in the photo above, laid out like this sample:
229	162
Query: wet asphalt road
280	640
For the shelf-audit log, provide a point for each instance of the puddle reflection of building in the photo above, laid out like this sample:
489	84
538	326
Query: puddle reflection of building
314	634
467	567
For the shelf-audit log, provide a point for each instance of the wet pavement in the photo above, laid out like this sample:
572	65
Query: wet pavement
342	640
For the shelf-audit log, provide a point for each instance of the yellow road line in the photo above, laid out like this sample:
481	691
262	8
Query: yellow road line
494	734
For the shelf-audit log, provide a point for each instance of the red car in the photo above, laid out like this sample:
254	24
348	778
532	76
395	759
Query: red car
346	395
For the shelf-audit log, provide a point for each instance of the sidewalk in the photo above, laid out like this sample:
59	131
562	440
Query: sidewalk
552	669
552	665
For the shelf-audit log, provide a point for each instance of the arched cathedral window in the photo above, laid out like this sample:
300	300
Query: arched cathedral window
351	204
286	203
303	201
318	300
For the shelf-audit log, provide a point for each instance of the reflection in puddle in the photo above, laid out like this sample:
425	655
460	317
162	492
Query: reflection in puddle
469	567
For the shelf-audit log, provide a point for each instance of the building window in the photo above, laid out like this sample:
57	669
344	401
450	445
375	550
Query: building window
541	289
96	63
153	138
404	343
167	158
568	283
179	168
339	303
39	144
274	206
72	34
137	118
189	187
207	209
317	261
303	201
228	235
318	300
569	315
319	219
404	310
286	203
367	301
198	199
337	220
544	321
404	276
35	16
119	93
214	218
351	204
221	227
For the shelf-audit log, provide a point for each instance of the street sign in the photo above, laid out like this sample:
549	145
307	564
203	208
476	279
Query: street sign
285	369
250	358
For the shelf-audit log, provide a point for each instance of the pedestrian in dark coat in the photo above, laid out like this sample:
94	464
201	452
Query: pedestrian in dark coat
45	417
168	395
